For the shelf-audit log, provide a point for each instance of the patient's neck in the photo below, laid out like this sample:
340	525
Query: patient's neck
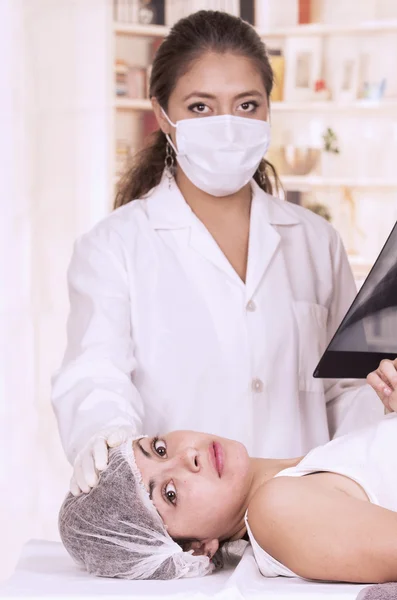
267	468
263	469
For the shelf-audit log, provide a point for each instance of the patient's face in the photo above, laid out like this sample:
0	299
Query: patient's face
199	483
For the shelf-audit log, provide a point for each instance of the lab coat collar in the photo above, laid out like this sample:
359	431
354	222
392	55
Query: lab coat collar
273	210
167	209
267	214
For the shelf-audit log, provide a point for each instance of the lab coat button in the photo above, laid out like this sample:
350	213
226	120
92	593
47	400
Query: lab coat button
251	306
257	385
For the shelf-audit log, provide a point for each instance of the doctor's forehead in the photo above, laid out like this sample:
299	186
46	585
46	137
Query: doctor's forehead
217	74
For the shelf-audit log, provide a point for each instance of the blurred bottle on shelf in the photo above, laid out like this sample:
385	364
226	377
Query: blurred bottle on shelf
130	80
278	65
121	74
151	12
145	12
304	12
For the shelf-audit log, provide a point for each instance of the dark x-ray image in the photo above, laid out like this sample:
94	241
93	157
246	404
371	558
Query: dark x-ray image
368	332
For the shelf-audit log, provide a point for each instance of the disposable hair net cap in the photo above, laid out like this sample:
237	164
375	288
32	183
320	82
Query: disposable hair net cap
116	531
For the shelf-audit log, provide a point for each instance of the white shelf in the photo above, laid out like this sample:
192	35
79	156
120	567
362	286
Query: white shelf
302	183
312	29
358	261
133	104
319	29
139	30
330	106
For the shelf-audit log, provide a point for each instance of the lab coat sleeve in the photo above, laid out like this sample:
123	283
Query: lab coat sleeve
351	404
93	387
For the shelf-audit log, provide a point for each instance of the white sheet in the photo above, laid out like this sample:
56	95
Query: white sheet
46	571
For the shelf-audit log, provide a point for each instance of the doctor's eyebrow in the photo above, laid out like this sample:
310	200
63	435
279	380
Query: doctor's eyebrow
212	97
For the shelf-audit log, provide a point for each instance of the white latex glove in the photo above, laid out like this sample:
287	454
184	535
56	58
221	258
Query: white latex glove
93	458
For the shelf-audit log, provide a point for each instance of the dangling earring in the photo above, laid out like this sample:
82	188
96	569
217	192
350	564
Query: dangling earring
169	163
262	176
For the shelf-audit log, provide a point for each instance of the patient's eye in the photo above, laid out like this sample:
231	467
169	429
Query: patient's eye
170	493
159	447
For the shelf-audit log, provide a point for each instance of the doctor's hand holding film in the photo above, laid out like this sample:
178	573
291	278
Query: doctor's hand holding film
384	382
93	458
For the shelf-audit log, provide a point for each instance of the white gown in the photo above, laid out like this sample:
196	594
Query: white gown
163	334
368	457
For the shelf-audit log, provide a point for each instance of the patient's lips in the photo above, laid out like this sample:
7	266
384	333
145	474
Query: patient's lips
220	458
217	457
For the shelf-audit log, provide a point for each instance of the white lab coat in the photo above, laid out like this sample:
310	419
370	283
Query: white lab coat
164	335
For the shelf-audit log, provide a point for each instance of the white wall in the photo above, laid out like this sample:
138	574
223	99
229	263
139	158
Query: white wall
16	318
55	149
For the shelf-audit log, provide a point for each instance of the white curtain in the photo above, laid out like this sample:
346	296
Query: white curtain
17	414
55	156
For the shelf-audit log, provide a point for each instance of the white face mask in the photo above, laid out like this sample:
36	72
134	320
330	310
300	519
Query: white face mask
220	154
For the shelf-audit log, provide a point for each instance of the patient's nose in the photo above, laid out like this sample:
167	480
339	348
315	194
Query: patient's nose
189	459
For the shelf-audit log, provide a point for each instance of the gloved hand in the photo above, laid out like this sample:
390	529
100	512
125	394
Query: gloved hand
93	458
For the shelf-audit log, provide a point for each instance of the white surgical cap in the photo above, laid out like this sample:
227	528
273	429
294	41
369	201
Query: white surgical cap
115	530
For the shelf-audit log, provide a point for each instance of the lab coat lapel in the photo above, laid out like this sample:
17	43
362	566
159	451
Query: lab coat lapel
167	209
267	213
203	243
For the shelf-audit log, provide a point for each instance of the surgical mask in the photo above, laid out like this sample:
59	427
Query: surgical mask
220	154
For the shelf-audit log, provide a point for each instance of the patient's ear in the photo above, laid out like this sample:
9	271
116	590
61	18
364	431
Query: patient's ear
161	120
211	547
205	547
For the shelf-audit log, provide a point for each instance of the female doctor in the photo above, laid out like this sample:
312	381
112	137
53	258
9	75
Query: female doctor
203	302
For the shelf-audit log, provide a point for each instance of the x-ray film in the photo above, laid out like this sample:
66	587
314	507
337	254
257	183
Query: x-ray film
368	332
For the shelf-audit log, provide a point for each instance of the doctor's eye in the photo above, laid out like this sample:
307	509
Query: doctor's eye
159	447
250	106
199	108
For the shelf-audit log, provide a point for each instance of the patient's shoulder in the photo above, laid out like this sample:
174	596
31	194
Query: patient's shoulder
276	510
273	501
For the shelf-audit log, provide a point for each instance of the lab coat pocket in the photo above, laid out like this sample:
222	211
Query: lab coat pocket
311	321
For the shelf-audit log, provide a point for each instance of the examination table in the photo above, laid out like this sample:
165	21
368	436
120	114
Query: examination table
46	571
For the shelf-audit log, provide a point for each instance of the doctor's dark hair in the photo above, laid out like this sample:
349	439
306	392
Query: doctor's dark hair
199	33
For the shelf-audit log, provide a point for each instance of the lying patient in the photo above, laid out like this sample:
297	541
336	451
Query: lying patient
329	516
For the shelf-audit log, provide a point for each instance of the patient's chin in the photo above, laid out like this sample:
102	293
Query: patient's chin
239	459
